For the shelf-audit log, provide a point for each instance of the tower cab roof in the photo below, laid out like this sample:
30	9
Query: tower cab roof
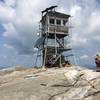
58	14
55	14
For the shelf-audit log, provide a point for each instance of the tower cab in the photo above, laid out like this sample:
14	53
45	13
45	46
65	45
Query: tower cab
53	22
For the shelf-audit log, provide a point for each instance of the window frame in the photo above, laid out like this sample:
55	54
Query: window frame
58	20
50	22
66	21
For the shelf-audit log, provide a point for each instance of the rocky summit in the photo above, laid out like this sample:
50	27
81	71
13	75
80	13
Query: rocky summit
68	83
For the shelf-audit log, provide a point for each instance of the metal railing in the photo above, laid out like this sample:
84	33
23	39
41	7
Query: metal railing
58	29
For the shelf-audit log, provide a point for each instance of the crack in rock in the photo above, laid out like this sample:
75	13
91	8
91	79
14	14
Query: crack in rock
92	94
71	86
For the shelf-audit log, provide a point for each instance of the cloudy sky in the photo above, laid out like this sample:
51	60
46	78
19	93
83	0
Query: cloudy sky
19	25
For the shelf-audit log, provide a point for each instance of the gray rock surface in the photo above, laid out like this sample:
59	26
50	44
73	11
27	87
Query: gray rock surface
71	83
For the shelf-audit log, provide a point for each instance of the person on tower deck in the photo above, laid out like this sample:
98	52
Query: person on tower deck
97	61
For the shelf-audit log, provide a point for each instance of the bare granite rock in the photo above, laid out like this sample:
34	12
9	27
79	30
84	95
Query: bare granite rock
71	83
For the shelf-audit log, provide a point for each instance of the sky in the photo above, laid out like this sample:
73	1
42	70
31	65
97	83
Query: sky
19	27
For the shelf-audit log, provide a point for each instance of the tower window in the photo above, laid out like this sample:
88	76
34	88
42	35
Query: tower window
58	22
52	21
64	22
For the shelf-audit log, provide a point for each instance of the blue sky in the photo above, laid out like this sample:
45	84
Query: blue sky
19	26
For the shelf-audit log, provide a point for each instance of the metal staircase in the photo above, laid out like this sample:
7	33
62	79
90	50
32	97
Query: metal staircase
58	41
53	60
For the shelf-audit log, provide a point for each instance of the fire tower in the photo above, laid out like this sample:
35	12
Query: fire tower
54	38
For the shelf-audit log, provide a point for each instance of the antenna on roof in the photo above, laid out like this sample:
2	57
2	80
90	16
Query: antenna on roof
50	8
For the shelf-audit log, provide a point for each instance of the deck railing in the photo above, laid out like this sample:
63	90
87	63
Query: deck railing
57	29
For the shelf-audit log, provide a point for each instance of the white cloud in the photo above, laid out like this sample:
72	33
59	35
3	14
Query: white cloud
79	42
75	10
94	21
84	57
6	13
62	10
10	30
8	46
4	56
10	2
97	38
